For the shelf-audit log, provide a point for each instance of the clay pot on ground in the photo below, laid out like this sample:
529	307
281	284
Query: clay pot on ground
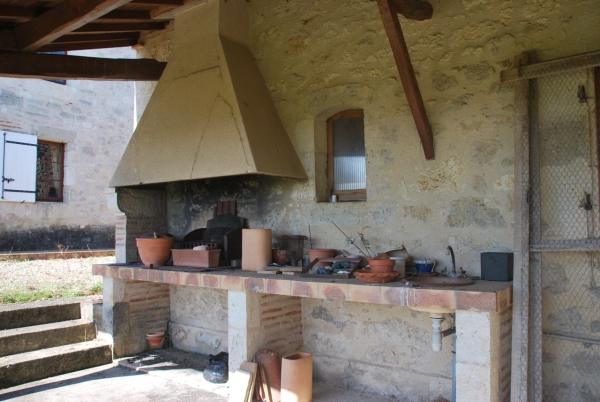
155	251
321	253
296	377
155	338
381	265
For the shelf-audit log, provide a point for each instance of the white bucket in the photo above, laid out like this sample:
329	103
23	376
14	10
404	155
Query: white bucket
400	266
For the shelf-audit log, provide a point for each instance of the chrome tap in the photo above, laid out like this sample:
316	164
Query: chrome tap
454	274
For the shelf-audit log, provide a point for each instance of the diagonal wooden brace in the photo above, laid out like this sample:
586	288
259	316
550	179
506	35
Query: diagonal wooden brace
407	74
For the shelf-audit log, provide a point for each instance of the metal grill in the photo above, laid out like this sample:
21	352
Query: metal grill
564	349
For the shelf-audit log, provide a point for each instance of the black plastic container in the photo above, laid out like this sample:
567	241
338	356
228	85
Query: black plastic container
497	266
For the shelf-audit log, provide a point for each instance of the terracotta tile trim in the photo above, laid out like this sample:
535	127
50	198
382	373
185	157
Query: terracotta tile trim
496	300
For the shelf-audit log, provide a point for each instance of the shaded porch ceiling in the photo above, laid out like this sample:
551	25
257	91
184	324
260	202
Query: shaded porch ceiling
28	27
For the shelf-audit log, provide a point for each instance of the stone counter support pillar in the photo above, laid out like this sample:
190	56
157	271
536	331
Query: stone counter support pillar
483	353
130	310
258	321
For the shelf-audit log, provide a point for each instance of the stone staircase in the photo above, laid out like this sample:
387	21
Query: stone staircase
41	340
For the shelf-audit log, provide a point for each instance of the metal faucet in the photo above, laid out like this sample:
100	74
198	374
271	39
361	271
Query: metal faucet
454	274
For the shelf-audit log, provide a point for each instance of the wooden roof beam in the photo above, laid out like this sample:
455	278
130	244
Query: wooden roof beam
418	10
104	44
51	66
96	37
407	75
58	21
17	14
121	27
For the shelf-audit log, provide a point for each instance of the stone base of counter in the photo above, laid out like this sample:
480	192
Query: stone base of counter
344	323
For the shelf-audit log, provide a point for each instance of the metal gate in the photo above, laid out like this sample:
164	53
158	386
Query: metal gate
564	238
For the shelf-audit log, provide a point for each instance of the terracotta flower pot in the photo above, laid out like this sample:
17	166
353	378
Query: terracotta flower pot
155	338
155	251
280	256
381	265
321	253
296	377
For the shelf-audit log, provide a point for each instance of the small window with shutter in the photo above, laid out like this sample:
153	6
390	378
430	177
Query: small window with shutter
18	156
346	160
50	171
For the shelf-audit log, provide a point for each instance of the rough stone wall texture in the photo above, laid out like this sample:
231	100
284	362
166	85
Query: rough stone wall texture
199	319
385	349
320	57
95	120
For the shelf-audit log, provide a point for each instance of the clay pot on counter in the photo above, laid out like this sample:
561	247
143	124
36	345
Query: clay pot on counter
155	338
381	265
320	253
280	256
155	251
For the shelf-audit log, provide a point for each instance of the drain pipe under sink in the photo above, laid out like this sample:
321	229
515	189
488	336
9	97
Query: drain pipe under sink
437	333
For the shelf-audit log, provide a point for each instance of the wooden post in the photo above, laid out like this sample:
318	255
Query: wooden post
407	75
520	350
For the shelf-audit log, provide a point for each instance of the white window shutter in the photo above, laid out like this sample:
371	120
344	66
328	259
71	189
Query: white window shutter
18	163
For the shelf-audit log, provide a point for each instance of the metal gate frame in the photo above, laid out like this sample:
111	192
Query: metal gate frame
527	294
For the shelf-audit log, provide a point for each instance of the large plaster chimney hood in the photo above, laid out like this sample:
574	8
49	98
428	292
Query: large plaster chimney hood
211	114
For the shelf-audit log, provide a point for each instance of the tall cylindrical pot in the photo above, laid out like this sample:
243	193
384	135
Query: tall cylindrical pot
296	377
256	249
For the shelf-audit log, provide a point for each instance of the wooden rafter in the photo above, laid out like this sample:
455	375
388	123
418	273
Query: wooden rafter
51	66
116	27
407	74
418	10
56	47
60	20
96	37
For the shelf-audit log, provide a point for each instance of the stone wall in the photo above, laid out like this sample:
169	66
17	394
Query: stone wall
199	319
95	121
383	349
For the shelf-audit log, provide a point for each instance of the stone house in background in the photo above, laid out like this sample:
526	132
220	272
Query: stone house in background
81	129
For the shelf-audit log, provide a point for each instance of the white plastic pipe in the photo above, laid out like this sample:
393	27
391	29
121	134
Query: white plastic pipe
436	337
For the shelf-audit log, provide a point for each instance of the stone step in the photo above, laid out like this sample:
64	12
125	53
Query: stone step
32	366
38	313
27	339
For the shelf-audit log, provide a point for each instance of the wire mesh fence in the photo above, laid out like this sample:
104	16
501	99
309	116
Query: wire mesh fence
564	321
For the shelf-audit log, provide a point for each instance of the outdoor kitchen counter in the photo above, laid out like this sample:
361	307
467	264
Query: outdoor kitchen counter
483	296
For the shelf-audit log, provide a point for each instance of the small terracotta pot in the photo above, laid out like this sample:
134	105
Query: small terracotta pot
155	338
280	256
379	265
321	253
155	251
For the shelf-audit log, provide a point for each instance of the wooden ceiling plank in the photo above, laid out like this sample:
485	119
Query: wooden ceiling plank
16	13
60	20
407	75
175	3
7	40
130	15
122	27
418	10
96	37
104	44
50	66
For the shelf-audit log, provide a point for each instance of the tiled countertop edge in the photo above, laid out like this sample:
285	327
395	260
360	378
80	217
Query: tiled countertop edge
447	298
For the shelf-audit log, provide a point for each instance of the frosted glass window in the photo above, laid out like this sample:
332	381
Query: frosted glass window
346	161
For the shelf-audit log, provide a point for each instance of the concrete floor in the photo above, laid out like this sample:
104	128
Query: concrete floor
115	383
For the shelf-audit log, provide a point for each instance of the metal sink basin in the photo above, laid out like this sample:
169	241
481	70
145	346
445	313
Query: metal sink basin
439	281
